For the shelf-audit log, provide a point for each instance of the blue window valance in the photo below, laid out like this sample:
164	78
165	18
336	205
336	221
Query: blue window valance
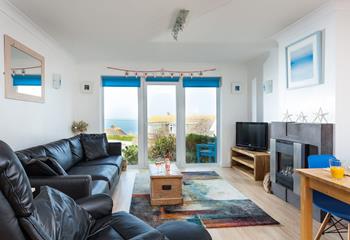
202	82
121	81
26	80
162	79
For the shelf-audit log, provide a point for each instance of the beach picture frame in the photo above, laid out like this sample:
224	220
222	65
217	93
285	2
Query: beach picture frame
304	62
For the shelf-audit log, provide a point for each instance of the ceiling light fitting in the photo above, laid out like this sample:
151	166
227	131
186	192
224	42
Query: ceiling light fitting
179	22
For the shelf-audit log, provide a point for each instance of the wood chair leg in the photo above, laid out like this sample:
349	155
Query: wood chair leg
323	226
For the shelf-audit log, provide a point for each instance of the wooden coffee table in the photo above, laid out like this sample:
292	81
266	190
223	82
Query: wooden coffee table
166	188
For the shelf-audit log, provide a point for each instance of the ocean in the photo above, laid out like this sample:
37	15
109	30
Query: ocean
127	125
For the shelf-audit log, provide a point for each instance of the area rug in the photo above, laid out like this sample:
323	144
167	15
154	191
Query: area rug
209	200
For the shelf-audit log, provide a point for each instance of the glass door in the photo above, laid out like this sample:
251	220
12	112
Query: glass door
201	125
161	121
121	119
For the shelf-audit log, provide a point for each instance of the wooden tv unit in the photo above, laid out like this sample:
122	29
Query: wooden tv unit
251	163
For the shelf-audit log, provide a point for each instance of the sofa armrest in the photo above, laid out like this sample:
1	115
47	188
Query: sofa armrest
115	148
151	235
99	205
75	186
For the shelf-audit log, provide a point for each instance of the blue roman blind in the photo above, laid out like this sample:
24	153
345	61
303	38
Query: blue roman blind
121	81
162	79
26	80
202	82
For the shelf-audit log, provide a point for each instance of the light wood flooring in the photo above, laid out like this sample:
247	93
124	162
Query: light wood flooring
286	214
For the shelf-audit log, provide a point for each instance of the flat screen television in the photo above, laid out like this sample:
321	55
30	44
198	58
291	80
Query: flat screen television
252	135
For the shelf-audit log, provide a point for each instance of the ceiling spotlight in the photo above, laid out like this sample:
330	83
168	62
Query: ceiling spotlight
200	73
126	73
179	22
23	72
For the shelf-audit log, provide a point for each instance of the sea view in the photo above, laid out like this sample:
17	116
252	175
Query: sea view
127	125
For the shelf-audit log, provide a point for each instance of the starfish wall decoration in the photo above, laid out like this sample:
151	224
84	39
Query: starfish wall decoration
287	117
301	117
320	116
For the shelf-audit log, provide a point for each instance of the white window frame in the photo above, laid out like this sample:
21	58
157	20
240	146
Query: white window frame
180	125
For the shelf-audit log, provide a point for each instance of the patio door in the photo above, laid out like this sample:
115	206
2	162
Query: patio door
161	121
158	117
201	125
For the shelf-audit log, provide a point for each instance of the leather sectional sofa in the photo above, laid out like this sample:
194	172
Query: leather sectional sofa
80	177
54	215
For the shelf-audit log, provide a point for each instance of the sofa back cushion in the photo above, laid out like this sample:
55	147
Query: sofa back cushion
61	152
95	146
10	229
14	183
30	153
76	148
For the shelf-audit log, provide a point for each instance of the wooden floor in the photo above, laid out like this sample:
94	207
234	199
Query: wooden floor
287	215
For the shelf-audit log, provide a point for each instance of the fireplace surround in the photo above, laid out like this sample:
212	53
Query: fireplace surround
290	145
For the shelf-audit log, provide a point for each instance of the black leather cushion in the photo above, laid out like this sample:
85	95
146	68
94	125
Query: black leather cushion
10	229
121	224
34	152
111	160
102	172
99	186
95	146
60	216
14	182
98	205
76	148
60	151
44	166
176	230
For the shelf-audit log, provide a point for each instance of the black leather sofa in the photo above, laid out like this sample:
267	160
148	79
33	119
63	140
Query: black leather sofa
53	215
80	178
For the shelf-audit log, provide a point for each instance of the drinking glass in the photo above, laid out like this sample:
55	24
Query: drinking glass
158	163
337	170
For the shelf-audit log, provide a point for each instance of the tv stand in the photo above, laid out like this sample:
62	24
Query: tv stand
252	163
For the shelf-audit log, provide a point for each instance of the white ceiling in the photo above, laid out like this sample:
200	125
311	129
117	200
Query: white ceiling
139	30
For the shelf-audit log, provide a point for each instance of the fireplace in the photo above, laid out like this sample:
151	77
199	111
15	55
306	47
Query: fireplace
285	170
290	146
288	155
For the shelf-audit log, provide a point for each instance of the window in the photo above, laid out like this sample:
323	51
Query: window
161	109
121	119
201	132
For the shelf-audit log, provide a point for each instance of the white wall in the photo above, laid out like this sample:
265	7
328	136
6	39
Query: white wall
308	99
255	86
343	81
234	107
271	101
25	124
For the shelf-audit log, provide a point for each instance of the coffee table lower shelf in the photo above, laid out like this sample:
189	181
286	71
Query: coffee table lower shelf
167	201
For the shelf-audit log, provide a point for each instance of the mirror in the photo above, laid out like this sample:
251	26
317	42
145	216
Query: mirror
24	72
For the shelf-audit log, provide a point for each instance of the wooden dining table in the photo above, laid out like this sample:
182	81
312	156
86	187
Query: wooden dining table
319	179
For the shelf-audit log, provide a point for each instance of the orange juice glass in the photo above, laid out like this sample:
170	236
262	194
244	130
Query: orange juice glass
337	170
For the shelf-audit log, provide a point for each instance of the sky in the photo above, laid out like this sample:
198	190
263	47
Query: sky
122	103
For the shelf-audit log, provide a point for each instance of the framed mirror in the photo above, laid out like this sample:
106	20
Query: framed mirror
24	72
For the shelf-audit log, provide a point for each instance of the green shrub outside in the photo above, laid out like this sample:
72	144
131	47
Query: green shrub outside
164	146
130	154
127	138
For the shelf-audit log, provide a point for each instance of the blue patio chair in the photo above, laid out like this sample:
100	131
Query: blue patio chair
333	207
206	150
